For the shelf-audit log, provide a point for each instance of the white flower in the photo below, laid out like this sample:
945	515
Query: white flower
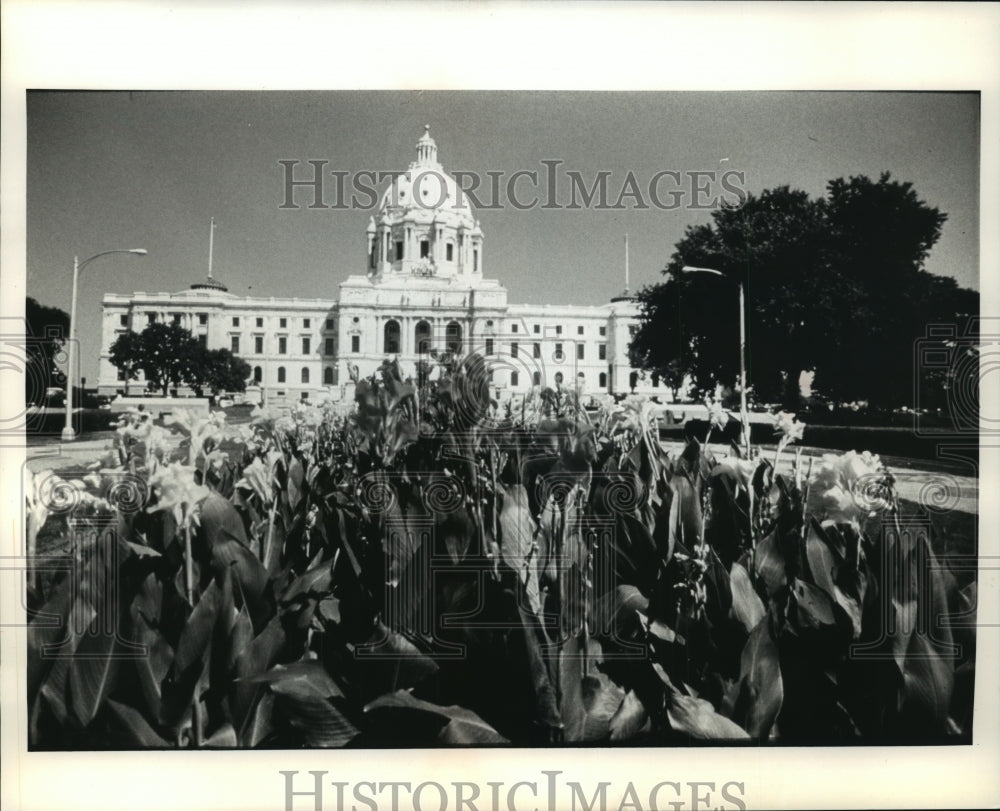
177	490
789	427
717	415
849	487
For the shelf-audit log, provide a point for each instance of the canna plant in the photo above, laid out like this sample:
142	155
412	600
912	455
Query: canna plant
431	567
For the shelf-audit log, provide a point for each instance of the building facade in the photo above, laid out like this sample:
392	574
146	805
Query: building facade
423	290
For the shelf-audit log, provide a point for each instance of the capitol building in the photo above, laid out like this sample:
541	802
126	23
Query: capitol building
424	288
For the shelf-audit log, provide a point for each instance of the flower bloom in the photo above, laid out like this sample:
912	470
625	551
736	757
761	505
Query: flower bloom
789	427
849	487
177	491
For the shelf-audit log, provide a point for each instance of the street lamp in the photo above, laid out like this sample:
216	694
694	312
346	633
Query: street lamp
744	417
68	434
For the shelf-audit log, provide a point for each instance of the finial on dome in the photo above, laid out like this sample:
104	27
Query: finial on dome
426	148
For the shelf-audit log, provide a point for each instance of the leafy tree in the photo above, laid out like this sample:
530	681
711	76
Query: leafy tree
126	354
835	286
220	371
47	330
169	357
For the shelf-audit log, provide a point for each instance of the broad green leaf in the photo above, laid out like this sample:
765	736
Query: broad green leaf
388	661
57	657
747	606
630	718
588	698
770	564
311	702
517	529
455	726
223	738
135	727
760	691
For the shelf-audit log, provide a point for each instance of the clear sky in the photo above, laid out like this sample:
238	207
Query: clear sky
149	170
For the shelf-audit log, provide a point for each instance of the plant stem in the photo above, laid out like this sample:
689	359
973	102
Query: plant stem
196	715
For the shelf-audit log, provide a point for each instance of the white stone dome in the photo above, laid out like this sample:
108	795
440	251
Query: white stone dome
425	191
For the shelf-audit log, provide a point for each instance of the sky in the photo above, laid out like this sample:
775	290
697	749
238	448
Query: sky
150	169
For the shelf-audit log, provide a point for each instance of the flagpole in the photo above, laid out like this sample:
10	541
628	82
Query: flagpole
211	246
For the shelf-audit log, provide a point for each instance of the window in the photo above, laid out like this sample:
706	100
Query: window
306	346
306	323
203	340
633	380
559	378
559	351
579	330
558	329
151	318
260	322
258	374
425	248
329	323
305	374
475	260
513	378
281	374
234	344
489	323
453	337
604	331
536	329
282	345
236	320
399	249
355	343
449	252
536	378
390	338
422	337
536	350
123	319
513	349
513	327
202	318
258	344
176	319
489	346
328	376
602	380
282	322
328	346
579	351
304	395
602	351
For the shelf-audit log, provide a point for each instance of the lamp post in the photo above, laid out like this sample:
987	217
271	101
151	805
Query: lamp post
68	433
744	416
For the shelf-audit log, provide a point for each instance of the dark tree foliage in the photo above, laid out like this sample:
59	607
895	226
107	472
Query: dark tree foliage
834	285
170	356
222	371
47	330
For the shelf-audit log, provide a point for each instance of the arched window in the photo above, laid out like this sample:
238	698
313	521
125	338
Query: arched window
513	378
328	376
422	337
453	337
258	374
391	338
602	380
281	374
536	378
305	374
